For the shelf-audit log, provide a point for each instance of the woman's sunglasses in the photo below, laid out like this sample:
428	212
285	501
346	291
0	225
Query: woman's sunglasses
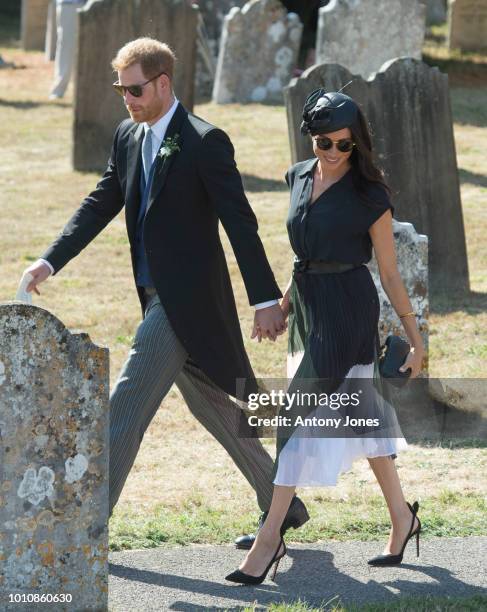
345	145
134	90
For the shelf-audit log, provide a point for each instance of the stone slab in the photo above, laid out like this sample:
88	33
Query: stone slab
258	52
467	25
363	34
33	24
54	419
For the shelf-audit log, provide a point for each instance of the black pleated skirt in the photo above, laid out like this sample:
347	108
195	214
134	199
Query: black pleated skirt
333	348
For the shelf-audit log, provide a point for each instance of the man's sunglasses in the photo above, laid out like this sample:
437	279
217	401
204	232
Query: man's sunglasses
325	144
134	90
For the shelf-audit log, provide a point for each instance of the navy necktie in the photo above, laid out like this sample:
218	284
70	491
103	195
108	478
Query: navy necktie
147	154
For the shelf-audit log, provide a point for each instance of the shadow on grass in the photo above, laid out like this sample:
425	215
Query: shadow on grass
256	184
462	72
436	35
473	178
471	302
30	104
441	412
469	106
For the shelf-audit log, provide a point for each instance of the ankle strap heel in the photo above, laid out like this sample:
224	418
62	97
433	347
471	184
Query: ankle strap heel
385	560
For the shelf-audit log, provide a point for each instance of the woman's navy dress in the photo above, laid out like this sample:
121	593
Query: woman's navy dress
333	328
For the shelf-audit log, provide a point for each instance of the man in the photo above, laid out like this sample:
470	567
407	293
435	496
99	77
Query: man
174	197
67	39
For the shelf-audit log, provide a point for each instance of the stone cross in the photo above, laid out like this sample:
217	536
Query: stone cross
54	437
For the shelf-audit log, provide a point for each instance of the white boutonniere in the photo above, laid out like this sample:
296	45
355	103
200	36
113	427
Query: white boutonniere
169	146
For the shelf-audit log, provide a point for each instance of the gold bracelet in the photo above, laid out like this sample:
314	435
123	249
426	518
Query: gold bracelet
408	314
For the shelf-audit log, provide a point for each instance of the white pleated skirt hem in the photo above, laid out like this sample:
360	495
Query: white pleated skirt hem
311	461
318	462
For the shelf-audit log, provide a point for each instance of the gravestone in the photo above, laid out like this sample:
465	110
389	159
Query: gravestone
412	261
408	107
104	27
212	15
51	32
258	52
33	23
467	25
54	436
363	34
435	11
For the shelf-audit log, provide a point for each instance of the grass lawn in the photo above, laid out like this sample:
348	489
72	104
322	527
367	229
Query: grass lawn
405	604
187	489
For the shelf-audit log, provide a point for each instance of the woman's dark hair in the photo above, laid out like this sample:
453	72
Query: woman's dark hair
364	168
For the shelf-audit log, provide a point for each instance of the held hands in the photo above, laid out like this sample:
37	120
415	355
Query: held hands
413	361
268	323
40	271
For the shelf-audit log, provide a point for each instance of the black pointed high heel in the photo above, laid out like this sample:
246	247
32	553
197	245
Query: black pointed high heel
384	560
243	578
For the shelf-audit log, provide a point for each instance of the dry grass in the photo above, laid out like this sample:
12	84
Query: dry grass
95	292
425	603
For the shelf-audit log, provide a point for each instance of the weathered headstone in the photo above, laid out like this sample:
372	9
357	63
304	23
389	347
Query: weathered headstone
258	52
212	14
412	260
54	436
104	27
33	23
363	34
467	25
408	107
435	11
51	32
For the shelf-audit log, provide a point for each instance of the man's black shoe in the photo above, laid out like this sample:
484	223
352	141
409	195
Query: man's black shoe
296	516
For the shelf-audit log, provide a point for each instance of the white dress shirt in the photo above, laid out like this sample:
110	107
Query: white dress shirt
159	128
158	132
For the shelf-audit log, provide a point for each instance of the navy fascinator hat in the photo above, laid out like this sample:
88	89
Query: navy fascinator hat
328	112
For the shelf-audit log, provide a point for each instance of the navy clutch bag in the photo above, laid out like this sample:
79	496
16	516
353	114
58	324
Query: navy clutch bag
394	353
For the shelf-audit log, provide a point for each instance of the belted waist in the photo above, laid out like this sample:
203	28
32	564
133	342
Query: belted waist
317	266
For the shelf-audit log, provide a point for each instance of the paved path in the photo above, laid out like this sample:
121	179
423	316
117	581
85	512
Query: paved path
192	578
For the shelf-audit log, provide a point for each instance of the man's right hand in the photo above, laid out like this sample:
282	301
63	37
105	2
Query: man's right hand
40	271
268	323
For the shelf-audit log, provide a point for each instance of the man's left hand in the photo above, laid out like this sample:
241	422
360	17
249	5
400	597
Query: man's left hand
268	323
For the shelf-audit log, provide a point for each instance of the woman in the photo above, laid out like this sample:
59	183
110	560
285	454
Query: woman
339	209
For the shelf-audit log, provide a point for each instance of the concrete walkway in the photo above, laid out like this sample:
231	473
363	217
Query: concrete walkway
192	578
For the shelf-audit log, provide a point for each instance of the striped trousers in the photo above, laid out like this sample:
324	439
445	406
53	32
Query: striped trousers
157	360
